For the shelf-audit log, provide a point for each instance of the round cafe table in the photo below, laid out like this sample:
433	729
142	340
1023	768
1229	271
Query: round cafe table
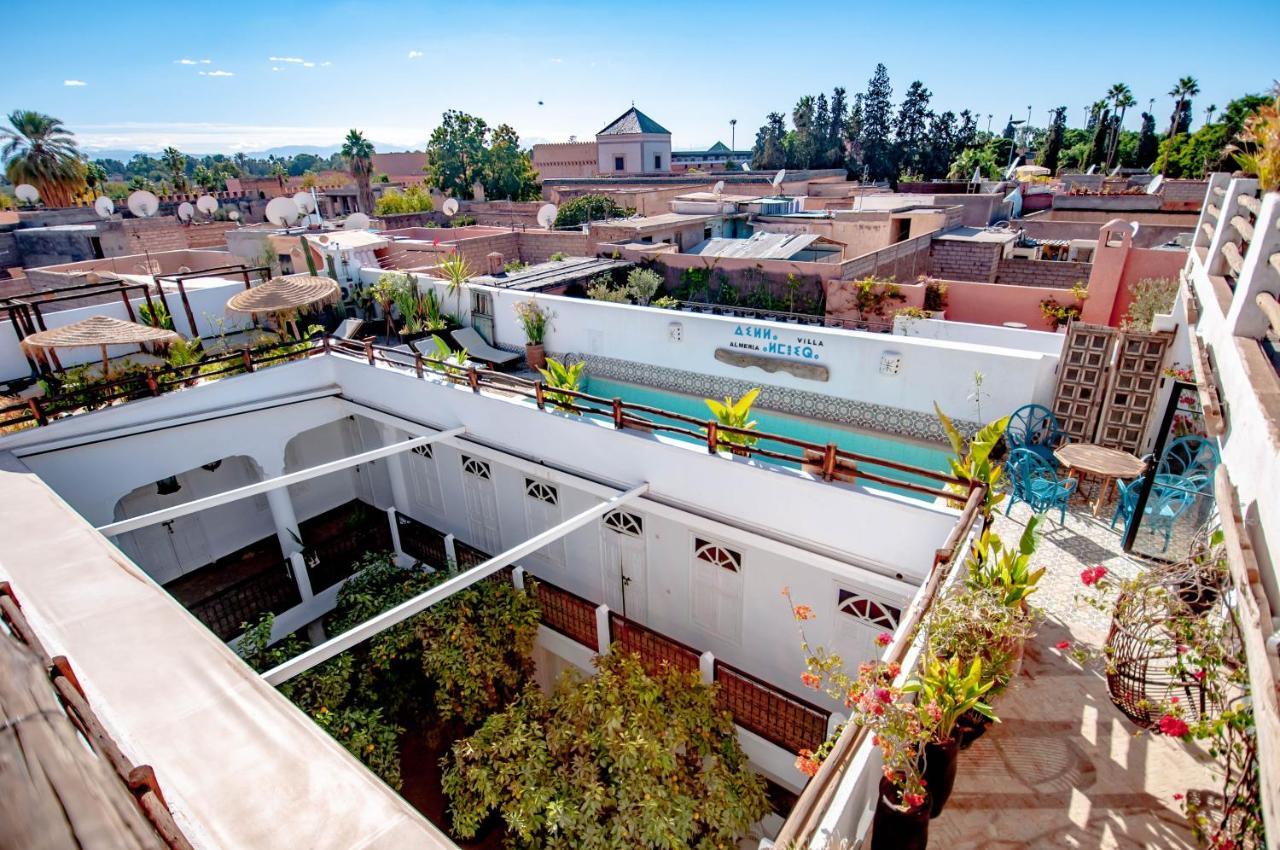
1107	464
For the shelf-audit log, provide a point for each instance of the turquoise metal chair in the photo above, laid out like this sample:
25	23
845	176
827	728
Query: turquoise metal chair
1190	457
1035	481
1034	428
1129	491
1170	498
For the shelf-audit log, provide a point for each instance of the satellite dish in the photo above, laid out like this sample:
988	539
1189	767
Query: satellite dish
777	179
186	211
547	215
746	166
207	204
104	206
977	174
356	221
26	192
282	211
450	207
718	188
143	204
305	202
234	215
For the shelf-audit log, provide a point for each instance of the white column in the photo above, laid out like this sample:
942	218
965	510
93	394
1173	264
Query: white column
707	667
602	629
286	521
450	553
1245	318
1230	205
517	578
395	532
395	470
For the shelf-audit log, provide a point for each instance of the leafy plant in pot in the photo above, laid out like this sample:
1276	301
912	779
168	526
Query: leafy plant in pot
534	319
945	690
735	414
561	376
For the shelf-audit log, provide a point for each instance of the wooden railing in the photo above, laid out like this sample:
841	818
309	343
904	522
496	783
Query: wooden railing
247	600
332	560
654	649
140	780
568	613
828	460
421	541
787	721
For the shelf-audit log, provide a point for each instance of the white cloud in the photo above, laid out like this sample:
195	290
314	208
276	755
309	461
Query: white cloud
74	83
216	74
292	60
556	61
209	137
325	64
308	64
415	54
185	62
274	68
205	61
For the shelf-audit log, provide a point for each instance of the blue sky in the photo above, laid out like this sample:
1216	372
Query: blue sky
270	72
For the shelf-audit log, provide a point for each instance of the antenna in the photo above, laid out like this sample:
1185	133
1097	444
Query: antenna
547	216
104	207
450	207
143	204
777	179
282	211
186	211
207	204
356	221
27	193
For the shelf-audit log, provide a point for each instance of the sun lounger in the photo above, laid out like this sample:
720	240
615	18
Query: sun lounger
478	349
349	329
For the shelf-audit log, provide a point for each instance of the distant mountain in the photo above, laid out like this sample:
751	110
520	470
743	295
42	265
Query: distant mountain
283	151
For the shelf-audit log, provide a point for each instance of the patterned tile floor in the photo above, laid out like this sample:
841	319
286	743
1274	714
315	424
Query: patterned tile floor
1065	768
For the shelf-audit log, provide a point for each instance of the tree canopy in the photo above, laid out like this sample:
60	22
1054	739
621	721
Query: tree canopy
585	208
38	149
464	150
620	759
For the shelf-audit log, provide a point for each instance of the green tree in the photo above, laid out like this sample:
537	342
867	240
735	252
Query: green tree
358	153
910	129
833	151
801	147
508	170
1148	146
456	154
38	149
1098	146
95	177
175	165
1121	99
1054	139
941	145
852	133
982	159
620	759
877	115
1182	92
769	152
585	208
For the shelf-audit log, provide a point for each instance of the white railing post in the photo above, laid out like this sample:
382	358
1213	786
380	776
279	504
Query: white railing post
450	553
1257	275
300	575
833	722
707	667
1217	180
1215	262
602	629
517	578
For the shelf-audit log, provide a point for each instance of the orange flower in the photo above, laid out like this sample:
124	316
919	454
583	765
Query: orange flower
811	680
802	612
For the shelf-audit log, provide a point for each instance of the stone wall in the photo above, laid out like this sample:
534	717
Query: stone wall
1057	274
503	213
954	259
537	246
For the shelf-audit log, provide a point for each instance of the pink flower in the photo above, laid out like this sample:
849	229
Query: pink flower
806	764
913	800
883	695
1064	644
1093	575
1173	700
1177	796
884	639
1198	675
1174	727
802	612
811	680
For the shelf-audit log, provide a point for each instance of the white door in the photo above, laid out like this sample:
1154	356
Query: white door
717	589
169	549
542	511
482	505
624	565
424	479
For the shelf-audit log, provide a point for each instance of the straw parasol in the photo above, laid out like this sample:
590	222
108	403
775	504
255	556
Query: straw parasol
285	296
99	331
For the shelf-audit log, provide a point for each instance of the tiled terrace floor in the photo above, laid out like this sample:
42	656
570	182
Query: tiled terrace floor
1065	769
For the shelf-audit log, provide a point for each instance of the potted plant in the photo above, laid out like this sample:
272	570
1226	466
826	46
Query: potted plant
735	414
389	287
945	691
560	376
534	319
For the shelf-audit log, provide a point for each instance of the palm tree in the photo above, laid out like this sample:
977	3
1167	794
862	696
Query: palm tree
358	152
1185	89
278	171
176	164
1121	99
95	178
39	150
1208	113
242	163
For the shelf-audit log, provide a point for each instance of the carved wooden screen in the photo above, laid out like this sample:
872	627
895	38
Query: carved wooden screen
1131	396
1082	379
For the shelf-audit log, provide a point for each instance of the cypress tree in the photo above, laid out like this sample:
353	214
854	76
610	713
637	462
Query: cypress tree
1148	145
877	115
1053	141
910	129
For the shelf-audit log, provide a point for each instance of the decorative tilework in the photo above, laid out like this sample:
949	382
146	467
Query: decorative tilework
811	405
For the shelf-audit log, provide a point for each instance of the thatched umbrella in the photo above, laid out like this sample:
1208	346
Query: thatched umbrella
98	331
286	296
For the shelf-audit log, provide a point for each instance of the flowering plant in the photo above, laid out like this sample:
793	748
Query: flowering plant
534	319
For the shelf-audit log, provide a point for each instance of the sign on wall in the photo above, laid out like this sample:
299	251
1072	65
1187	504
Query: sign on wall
775	350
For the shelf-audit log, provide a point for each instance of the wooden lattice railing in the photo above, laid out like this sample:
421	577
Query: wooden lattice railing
421	541
787	721
568	614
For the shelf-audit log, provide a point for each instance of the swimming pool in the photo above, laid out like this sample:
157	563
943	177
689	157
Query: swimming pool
809	430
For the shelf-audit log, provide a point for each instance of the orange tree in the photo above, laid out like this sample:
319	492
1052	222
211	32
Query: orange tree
621	759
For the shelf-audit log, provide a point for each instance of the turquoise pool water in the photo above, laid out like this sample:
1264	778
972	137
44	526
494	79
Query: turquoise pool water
810	430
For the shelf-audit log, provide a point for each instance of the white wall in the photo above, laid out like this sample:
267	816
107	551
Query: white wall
208	302
931	369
